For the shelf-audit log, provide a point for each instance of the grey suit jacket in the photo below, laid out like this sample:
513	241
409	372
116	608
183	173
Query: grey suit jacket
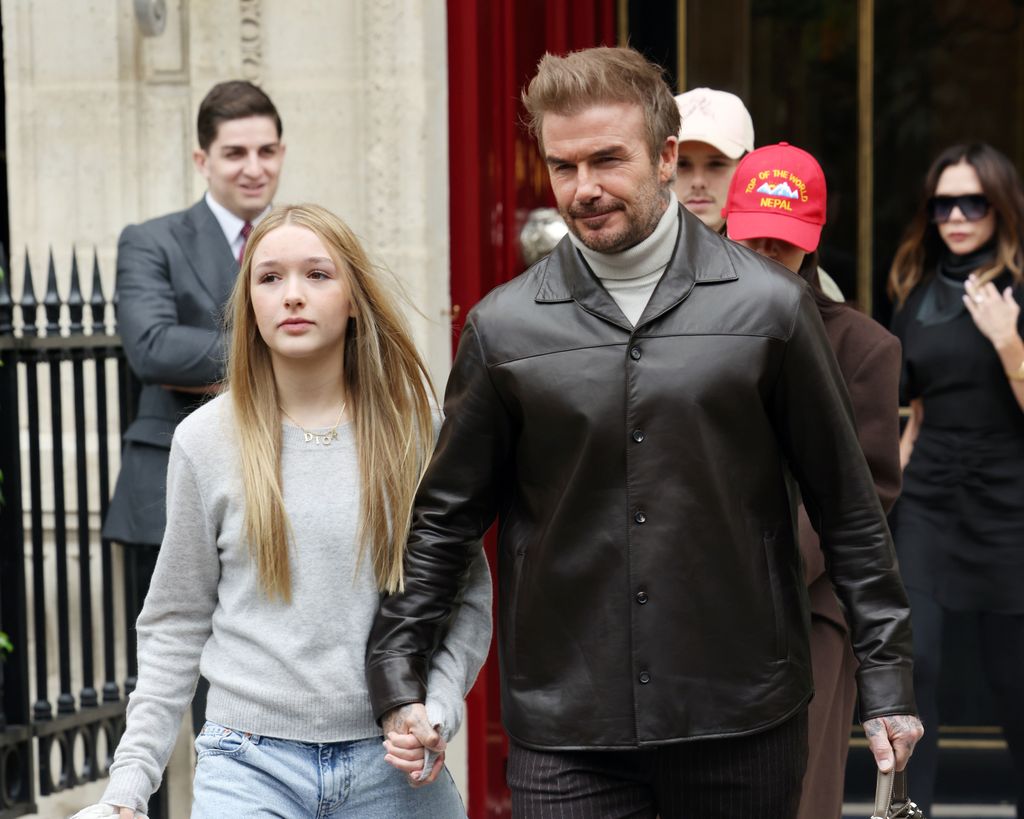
174	276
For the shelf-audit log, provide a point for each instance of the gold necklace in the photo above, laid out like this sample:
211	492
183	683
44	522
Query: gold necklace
325	439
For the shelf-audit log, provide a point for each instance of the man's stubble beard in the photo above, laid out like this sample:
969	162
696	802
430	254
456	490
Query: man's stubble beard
648	208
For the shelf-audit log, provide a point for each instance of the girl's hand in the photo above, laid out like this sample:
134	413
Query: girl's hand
994	315
406	753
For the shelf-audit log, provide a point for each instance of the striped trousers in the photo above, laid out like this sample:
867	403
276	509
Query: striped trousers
747	777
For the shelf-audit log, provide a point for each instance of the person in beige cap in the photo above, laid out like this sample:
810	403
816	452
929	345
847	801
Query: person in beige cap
716	131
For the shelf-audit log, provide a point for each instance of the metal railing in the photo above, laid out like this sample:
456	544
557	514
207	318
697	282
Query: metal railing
63	382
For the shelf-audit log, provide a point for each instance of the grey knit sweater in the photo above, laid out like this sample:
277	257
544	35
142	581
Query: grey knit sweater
287	670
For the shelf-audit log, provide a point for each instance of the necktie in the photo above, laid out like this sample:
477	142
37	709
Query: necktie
246	230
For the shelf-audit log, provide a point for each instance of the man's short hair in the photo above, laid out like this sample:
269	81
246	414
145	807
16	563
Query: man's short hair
235	99
595	76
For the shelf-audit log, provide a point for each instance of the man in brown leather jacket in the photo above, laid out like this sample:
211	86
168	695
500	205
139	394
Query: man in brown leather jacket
627	409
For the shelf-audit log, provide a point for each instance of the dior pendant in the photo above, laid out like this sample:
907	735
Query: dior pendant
324	440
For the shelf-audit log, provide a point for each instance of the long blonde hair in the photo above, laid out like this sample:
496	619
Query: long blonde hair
389	395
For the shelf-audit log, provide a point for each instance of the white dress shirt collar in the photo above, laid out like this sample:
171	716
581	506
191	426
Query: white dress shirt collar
231	224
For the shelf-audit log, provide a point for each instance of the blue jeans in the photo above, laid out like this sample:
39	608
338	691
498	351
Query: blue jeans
245	775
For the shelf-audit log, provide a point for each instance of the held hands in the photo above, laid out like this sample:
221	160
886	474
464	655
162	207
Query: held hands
412	744
897	734
994	315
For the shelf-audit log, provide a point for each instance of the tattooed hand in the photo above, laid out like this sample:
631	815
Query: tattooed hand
412	744
897	734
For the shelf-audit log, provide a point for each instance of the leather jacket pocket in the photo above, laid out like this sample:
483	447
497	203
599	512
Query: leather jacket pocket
770	544
512	624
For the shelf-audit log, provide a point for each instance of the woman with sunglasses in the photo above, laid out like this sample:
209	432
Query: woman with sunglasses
957	281
288	506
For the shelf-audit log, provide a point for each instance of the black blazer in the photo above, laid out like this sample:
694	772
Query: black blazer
174	276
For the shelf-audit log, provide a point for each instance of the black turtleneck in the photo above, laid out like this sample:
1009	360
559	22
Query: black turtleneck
947	362
943	299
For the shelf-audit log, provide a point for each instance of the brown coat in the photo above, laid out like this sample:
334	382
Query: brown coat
869	359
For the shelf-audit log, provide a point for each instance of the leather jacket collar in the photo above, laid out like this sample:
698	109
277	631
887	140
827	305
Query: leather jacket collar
567	277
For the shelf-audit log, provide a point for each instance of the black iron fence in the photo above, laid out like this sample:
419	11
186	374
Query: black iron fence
63	386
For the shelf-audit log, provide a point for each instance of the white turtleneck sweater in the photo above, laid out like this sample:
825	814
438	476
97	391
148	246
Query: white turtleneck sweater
631	276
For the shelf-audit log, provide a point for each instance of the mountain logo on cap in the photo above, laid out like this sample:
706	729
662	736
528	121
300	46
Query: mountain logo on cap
781	189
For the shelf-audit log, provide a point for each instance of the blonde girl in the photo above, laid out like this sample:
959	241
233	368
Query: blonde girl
287	514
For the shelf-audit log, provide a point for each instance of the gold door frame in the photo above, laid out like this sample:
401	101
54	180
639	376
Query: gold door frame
865	151
681	44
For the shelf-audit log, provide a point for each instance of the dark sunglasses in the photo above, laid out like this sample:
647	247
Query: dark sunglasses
972	205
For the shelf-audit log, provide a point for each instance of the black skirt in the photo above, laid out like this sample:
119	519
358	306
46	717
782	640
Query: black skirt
959	525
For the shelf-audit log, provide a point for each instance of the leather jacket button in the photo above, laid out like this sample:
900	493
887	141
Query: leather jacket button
634	353
640	517
641	597
644	678
638	435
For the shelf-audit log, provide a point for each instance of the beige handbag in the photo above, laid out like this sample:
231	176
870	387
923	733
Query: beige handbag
891	800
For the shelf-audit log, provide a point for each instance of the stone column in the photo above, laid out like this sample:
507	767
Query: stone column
364	90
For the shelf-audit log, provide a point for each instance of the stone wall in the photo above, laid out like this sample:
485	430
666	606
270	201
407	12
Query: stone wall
100	124
101	129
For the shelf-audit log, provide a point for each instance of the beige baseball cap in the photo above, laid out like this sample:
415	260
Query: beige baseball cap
718	118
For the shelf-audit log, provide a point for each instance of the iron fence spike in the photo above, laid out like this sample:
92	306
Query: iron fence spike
97	301
28	302
51	300
75	301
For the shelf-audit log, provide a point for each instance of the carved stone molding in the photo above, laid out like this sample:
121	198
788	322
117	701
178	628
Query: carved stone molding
166	58
403	129
385	122
251	40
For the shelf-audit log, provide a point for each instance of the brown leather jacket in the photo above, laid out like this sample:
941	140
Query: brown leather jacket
650	584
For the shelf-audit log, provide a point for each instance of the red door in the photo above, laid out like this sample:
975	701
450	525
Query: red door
496	179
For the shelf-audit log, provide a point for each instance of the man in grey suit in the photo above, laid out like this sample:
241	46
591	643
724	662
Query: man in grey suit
174	275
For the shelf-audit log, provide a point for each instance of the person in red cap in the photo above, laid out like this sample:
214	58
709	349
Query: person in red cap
776	206
776	203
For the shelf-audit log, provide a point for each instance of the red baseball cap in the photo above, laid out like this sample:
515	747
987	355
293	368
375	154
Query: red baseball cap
777	192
